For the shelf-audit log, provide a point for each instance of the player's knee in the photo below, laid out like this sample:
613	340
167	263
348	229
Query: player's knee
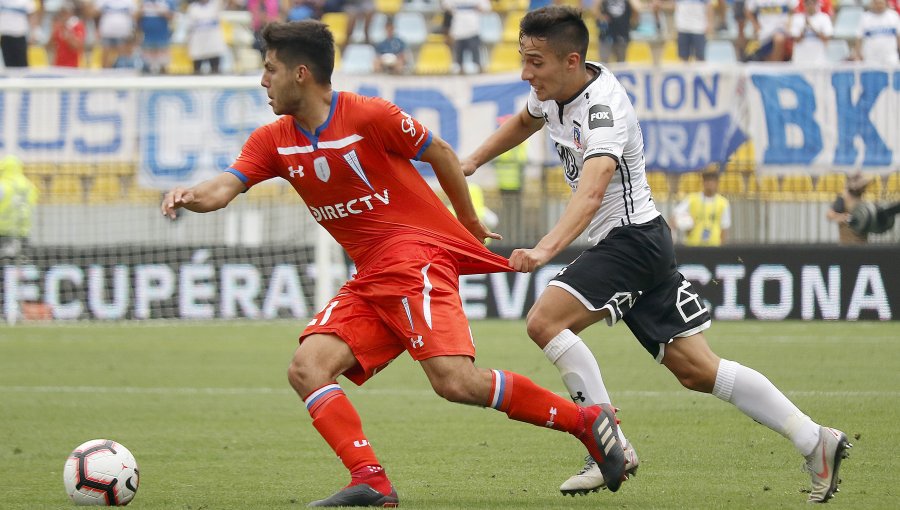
697	379
539	328
303	377
454	390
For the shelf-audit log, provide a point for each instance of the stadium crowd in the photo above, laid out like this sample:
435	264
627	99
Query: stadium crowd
437	36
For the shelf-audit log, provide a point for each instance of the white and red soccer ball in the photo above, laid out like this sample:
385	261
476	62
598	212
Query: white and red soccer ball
101	472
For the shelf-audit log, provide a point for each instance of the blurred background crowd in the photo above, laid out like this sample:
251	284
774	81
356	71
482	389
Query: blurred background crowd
437	36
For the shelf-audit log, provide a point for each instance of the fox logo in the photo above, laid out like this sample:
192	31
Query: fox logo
600	115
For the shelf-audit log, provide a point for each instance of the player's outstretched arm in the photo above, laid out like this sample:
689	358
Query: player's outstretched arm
209	195
510	134
592	184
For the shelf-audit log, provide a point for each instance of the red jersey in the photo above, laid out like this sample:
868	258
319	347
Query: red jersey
66	54
824	6
355	177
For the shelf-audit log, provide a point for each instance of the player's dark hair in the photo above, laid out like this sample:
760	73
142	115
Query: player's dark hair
306	42
561	26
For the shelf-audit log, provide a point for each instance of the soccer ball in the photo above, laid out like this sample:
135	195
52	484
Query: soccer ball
101	472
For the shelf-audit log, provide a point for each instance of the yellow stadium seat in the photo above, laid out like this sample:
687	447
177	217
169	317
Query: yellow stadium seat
689	182
511	26
797	183
434	58
769	184
893	184
388	6
79	169
37	56
659	185
831	183
338	23
732	183
752	183
743	159
503	6
106	188
504	58
115	168
65	189
95	59
670	52
181	62
639	52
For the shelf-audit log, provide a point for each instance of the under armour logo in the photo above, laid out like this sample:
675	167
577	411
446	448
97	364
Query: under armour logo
578	397
294	172
360	443
551	422
417	342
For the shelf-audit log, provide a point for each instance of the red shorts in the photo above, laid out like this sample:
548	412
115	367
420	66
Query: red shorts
408	301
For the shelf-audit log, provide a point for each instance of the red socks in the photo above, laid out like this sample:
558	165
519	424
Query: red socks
522	400
339	424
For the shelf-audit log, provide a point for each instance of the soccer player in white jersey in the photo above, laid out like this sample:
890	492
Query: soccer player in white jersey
629	272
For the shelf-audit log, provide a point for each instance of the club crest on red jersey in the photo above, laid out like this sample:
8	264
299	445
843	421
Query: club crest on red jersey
323	171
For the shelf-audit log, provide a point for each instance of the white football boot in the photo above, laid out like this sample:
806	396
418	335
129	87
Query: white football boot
590	479
824	462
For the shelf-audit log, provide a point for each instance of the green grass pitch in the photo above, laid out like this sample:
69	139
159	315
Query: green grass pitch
207	412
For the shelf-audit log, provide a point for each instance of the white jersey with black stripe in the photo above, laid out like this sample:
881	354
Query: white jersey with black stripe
600	121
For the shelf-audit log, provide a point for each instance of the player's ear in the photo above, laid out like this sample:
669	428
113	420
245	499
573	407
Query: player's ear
573	60
301	72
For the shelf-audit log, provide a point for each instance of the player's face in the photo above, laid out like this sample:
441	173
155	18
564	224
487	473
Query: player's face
543	69
281	85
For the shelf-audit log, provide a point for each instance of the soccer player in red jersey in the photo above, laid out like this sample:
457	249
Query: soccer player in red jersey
348	156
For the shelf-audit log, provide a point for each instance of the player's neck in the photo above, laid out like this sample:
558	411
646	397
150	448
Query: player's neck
314	110
585	78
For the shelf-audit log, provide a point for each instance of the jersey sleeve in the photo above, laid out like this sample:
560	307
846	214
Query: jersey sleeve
607	128
257	159
399	131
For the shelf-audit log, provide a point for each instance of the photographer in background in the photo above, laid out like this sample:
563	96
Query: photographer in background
844	204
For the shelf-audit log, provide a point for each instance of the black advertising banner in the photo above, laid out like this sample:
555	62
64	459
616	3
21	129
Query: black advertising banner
137	282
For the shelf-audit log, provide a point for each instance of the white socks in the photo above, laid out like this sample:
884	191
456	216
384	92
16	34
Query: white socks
758	398
579	370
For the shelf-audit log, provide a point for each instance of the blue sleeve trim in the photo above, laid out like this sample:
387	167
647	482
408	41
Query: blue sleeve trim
424	146
235	172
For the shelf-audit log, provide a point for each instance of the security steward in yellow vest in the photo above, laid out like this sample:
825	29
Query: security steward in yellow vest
705	216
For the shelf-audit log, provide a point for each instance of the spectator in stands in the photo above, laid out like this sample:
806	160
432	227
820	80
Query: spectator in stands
18	26
824	6
615	19
465	28
154	21
390	54
694	22
770	20
303	9
18	196
705	216
844	204
878	36
358	10
115	27
262	12
129	57
811	31
206	43
66	42
739	9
